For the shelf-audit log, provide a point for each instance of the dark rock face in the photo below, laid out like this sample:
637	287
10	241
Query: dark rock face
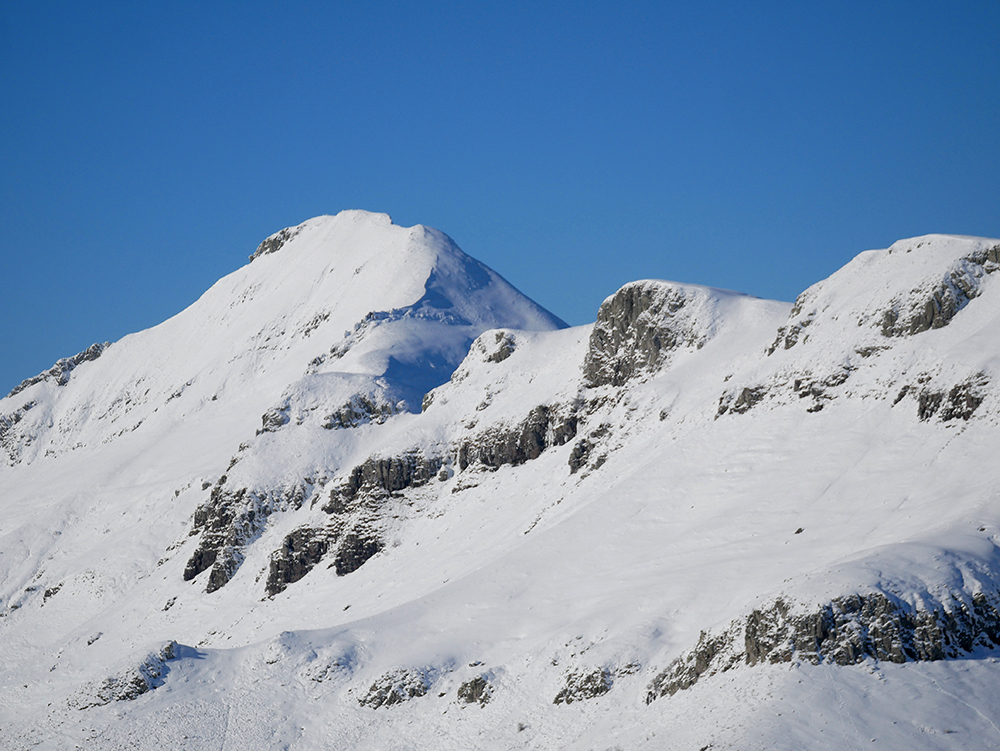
931	306
959	402
934	307
964	399
713	654
379	477
817	390
396	687
581	453
845	631
300	551
60	372
275	242
230	520
544	427
580	686
476	691
635	330
354	552
51	592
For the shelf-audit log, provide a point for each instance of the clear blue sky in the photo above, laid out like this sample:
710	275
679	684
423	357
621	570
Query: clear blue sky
147	148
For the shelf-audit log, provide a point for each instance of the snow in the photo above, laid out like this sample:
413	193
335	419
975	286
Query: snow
682	520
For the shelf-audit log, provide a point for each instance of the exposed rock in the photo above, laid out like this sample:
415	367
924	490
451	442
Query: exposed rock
958	403
130	683
476	690
580	454
273	419
396	687
964	399
845	631
544	426
580	686
935	306
379	477
354	551
931	305
742	402
928	403
51	592
9	441
788	335
636	329
300	551
361	409
275	242
60	372
505	347
818	389
230	520
713	654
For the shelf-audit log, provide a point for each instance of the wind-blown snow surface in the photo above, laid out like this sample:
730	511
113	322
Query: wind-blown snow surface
527	556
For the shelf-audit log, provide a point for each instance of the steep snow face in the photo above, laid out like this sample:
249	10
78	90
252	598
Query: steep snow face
352	293
690	521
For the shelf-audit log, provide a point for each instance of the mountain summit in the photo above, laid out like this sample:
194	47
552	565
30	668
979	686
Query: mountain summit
389	310
364	494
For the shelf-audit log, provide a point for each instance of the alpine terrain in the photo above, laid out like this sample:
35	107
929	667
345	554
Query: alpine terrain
364	494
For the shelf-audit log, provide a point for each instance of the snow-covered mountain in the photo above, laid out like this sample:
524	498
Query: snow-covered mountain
364	494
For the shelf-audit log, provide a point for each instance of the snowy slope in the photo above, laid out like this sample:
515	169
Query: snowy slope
417	512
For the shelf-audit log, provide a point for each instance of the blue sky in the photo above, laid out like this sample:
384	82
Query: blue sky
148	148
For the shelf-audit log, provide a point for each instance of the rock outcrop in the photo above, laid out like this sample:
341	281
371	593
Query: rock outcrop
231	519
300	551
845	631
275	242
957	403
60	372
584	685
379	477
931	301
10	442
396	687
637	328
129	683
500	445
934	306
476	690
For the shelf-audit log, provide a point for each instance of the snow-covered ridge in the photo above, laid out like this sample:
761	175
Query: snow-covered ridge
412	299
877	328
365	472
62	370
914	286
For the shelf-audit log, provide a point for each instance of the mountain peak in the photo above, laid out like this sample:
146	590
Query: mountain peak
351	293
366	473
